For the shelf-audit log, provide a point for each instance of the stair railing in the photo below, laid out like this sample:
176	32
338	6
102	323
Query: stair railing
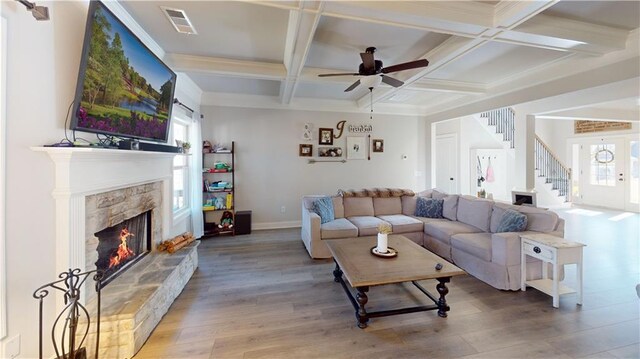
550	167
504	121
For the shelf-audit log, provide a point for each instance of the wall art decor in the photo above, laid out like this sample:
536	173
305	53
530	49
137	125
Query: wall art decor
339	127
356	148
325	136
329	152
361	128
378	145
305	150
307	133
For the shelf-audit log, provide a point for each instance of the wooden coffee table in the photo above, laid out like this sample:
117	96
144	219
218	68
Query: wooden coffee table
362	269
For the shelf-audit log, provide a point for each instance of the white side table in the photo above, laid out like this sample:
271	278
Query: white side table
554	250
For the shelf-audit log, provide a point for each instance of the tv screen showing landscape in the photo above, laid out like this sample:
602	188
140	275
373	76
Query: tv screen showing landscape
123	88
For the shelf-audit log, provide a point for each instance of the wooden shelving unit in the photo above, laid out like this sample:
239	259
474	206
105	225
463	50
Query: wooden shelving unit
210	193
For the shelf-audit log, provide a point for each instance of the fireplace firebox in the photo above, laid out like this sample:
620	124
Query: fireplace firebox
123	244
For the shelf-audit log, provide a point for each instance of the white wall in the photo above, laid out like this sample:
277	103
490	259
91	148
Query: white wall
270	174
42	68
472	135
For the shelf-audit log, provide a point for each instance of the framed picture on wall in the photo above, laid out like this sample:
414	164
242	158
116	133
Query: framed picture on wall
378	145
329	152
306	150
325	136
356	148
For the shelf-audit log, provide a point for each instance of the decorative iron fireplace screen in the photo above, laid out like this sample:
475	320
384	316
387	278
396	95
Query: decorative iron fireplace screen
122	245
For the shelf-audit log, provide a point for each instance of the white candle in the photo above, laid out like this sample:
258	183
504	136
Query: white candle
382	243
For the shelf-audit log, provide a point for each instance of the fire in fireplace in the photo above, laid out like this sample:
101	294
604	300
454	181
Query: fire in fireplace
123	244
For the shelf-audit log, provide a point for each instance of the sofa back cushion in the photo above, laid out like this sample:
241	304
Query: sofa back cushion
475	212
338	207
386	206
358	206
450	207
426	193
437	194
539	220
409	205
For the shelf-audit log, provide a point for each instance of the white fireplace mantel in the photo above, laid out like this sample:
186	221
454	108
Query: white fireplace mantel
80	172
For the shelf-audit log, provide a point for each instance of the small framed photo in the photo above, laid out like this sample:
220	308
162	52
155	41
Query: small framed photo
356	148
325	136
378	145
329	152
306	150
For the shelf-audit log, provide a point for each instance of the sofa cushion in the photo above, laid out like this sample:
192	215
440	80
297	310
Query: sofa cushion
437	194
443	230
538	219
385	206
426	193
512	221
428	207
324	208
430	220
475	211
403	224
409	205
367	225
358	206
338	228
476	244
450	207
338	207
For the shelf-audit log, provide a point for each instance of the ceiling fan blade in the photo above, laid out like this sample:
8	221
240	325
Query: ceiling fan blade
406	66
341	74
391	81
367	60
353	85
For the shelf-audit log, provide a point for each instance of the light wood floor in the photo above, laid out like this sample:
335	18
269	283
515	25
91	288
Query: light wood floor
261	296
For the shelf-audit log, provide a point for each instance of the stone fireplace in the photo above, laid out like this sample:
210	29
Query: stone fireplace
110	203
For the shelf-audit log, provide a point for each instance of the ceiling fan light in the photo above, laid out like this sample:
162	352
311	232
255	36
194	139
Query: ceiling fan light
371	81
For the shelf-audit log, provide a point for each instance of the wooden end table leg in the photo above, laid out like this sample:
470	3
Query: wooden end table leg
337	274
361	313
443	308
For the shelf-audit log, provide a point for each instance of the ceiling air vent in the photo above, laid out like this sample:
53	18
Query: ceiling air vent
179	20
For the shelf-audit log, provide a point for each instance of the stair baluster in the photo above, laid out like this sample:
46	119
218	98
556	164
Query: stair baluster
554	171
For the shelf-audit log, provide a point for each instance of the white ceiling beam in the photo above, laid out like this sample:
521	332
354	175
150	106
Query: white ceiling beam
301	29
453	48
562	34
595	114
226	67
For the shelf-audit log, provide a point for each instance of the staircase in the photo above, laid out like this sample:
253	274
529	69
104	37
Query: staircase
504	121
554	175
551	169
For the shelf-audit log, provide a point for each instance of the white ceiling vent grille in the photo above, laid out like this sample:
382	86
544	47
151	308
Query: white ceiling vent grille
178	18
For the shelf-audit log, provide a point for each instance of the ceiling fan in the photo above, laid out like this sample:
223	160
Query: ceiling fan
375	73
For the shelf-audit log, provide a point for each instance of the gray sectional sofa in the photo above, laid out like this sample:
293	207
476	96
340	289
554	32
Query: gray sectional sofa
466	236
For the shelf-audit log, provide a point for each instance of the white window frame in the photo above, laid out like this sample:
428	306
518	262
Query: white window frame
184	211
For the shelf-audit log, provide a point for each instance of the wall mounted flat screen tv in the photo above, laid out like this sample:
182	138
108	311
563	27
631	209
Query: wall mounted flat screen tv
123	88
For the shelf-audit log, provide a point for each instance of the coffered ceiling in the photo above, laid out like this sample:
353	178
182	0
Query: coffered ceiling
275	49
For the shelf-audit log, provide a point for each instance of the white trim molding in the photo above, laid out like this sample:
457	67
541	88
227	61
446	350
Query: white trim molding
80	172
3	200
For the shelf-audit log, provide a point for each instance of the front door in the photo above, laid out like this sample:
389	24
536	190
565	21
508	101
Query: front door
447	163
603	173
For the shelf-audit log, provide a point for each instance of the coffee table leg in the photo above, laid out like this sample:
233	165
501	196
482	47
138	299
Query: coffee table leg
337	274
443	308
361	313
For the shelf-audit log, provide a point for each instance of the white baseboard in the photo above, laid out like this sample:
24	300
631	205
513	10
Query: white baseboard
276	225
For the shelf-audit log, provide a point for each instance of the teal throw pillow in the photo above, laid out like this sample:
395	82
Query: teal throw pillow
324	208
512	221
429	207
